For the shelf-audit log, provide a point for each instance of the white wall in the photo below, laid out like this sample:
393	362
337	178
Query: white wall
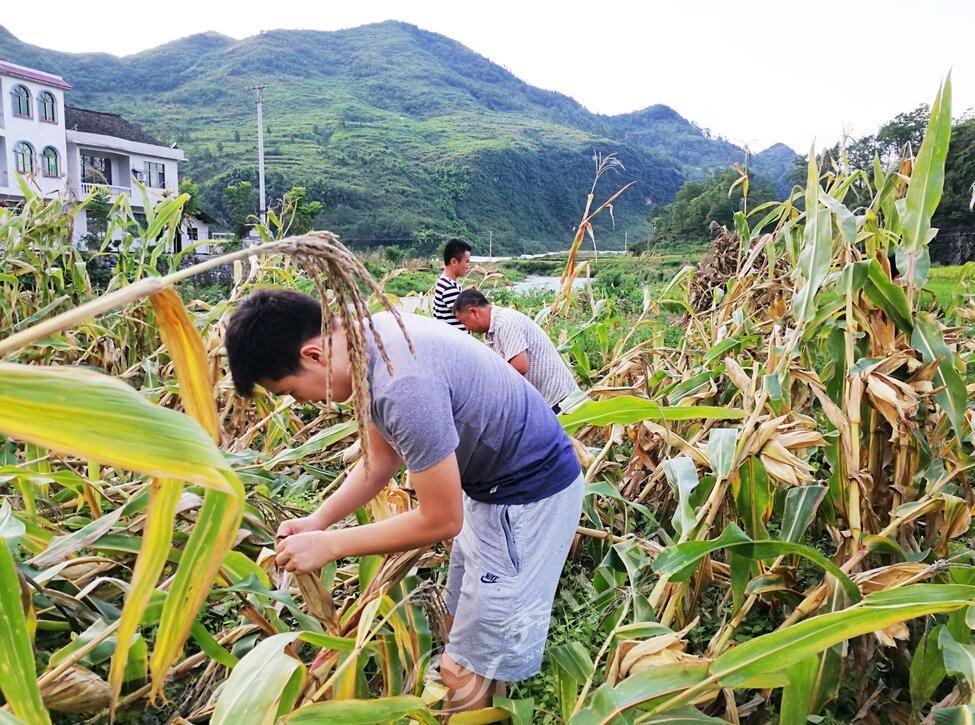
202	233
37	133
138	162
126	155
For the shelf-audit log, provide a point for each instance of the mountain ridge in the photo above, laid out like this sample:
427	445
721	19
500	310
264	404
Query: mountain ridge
398	130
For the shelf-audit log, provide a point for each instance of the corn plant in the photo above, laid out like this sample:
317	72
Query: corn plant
775	501
82	430
848	452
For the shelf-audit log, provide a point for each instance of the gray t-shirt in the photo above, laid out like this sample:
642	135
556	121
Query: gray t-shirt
458	396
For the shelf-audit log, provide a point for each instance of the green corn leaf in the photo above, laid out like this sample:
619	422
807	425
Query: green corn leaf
63	547
11	528
574	658
960	715
683	716
953	398
679	561
18	678
718	351
801	503
741	572
608	702
814	261
318	442
90	415
753	496
93	416
683	388
629	409
778	650
254	688
573	666
817	246
216	527
605	488
796	695
521	711
928	174
927	667
888	296
721	451
357	712
959	659
209	644
682	477
845	220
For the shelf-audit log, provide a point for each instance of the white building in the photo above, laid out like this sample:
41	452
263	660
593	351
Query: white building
71	151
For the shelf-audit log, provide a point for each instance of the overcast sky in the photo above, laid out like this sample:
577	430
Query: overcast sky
755	71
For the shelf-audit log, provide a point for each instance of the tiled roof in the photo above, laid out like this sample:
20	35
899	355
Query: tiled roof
106	124
29	74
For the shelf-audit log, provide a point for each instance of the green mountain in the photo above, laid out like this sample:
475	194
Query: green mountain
400	132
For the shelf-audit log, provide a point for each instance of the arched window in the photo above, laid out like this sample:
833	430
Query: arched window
21	101
48	107
51	161
24	157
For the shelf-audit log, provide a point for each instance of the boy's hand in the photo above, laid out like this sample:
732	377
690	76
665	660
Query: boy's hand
305	552
298	526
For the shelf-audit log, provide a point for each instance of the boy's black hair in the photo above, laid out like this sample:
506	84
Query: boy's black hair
265	335
470	298
455	248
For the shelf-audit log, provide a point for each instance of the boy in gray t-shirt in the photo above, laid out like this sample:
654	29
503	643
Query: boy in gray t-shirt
489	462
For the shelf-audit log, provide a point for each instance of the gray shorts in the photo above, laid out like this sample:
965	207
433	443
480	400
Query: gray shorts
504	568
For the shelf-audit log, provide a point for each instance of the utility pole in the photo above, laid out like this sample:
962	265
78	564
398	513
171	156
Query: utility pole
626	241
491	244
262	202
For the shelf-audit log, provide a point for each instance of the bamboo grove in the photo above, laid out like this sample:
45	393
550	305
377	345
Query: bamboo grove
774	503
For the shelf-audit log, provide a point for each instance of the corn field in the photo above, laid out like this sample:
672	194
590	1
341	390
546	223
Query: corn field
776	526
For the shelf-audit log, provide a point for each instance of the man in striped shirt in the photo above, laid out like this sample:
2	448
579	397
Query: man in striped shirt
456	261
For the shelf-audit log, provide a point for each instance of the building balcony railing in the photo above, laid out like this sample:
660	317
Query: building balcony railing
87	189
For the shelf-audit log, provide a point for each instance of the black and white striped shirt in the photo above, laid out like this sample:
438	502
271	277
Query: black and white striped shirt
444	295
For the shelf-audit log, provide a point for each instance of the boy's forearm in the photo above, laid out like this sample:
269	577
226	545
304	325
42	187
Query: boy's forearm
355	491
410	530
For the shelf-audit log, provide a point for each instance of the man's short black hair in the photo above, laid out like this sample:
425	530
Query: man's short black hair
455	248
265	335
470	298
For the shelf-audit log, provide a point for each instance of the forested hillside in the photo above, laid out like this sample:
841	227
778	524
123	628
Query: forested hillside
399	132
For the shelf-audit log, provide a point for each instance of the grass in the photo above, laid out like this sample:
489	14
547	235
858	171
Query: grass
950	284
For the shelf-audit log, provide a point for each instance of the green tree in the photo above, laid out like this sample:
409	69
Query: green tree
97	213
240	202
301	210
698	204
902	129
955	209
393	254
194	205
888	144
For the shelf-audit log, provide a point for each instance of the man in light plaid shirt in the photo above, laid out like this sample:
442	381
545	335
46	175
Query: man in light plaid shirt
521	342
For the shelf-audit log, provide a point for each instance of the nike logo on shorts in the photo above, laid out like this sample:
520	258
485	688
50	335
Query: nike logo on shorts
489	578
